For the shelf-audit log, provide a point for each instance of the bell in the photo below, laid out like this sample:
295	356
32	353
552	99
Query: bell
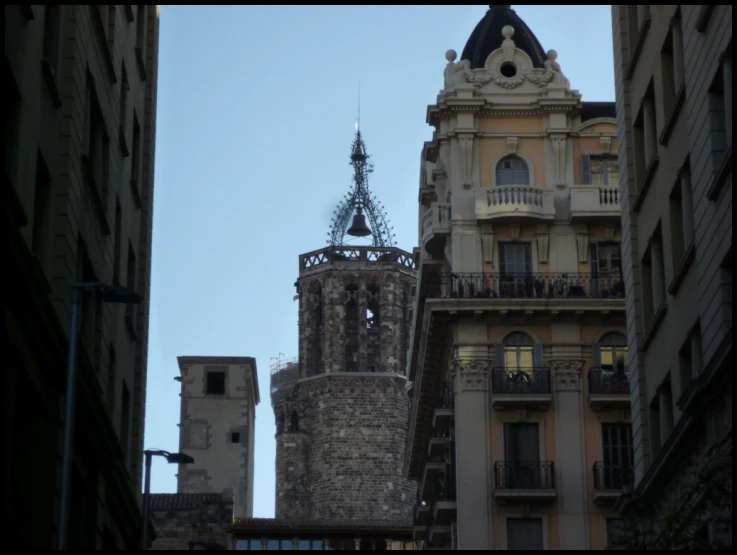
358	227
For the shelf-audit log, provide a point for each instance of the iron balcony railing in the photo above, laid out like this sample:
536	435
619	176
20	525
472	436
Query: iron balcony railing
608	476
608	382
524	475
520	381
524	286
447	399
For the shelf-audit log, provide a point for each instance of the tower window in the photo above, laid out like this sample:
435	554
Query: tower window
235	437
216	383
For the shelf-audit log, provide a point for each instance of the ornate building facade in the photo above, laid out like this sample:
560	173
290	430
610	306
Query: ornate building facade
520	434
673	68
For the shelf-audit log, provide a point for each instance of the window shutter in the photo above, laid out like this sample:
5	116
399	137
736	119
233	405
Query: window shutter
537	355
499	355
528	258
596	355
586	169
503	258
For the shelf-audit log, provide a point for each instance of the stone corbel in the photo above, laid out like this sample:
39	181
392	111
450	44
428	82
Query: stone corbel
514	230
487	243
606	144
567	374
558	143
466	144
543	242
582	243
473	375
512	144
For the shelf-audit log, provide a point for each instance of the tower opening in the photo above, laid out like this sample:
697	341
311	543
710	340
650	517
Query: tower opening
373	330
351	329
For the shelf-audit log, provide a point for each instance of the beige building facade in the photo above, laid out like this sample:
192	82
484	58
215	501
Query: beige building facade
520	431
673	69
80	113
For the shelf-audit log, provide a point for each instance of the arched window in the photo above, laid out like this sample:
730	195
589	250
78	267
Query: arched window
518	351
295	422
613	351
512	170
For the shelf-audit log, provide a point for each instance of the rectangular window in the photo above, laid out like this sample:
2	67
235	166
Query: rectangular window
521	443
515	259
41	212
131	283
111	377
717	121
117	241
606	270
235	437
52	37
618	455
136	161
638	137
216	383
613	532
98	141
667	66
604	171
125	417
678	243
124	87
525	534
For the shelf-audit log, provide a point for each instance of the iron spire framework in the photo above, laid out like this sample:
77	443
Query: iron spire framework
360	201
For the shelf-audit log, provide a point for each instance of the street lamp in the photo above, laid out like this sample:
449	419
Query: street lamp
110	294
172	458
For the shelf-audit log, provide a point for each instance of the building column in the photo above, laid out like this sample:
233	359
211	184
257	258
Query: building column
570	471
658	274
470	372
665	407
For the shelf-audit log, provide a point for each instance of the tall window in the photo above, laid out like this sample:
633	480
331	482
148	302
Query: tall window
613	352
618	455
131	282
512	170
606	270
515	259
518	351
125	420
52	37
720	130
351	351
600	170
41	212
215	383
525	534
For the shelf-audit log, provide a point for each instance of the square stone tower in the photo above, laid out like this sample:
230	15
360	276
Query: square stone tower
217	427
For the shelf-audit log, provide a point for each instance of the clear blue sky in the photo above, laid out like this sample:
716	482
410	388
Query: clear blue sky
256	114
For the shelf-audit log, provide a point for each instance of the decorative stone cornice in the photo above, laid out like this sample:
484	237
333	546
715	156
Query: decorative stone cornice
512	144
567	374
473	375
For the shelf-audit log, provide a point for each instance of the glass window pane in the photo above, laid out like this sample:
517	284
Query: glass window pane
607	358
241	545
524	533
287	545
272	545
317	545
256	545
304	544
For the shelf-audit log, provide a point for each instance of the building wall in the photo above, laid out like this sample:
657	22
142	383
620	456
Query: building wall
182	518
62	228
208	423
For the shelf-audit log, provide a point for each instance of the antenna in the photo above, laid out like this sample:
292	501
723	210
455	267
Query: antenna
358	120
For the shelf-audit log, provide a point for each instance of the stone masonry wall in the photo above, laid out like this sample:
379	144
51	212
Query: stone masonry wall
180	518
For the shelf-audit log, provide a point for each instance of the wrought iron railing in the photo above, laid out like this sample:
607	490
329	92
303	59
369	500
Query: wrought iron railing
608	476
608	382
447	489
375	255
609	196
524	475
520	381
523	286
447	398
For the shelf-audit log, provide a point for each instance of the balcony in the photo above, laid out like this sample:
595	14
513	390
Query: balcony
608	389
442	419
591	203
523	286
610	481
433	486
520	388
435	227
532	481
514	203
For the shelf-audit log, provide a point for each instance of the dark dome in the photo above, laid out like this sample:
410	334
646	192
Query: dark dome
487	37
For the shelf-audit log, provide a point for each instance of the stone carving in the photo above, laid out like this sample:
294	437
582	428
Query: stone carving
466	144
567	374
512	144
473	374
543	241
558	143
461	73
582	243
606	144
508	47
455	73
553	67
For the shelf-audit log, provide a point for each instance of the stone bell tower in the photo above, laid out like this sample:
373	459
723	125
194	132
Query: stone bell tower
342	410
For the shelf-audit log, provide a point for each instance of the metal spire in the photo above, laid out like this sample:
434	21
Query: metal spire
360	201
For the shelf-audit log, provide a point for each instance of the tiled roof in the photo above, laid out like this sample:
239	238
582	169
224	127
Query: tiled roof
182	501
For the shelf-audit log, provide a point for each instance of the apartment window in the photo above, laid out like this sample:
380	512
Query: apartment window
614	528
671	63
111	377
525	534
136	161
131	282
111	15
518	351
117	241
52	37
98	141
720	104
91	309
619	459
633	28
653	277
650	125
606	270
125	418
41	212
515	260
215	383
600	170
662	410
638	138
691	357
124	87
141	40
235	437
512	170
611	352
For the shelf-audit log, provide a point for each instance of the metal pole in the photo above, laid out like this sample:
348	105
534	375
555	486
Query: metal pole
146	496
66	461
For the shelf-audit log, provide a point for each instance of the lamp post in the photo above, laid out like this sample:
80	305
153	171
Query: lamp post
172	458
111	294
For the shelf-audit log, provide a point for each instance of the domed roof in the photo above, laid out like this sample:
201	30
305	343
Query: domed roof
487	37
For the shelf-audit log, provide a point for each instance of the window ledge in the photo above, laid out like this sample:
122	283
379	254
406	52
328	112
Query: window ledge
670	123
95	194
704	16
123	143
50	79
104	44
682	269
653	327
141	63
645	185
135	192
720	177
638	48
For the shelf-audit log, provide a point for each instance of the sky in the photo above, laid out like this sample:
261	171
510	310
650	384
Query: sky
256	114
